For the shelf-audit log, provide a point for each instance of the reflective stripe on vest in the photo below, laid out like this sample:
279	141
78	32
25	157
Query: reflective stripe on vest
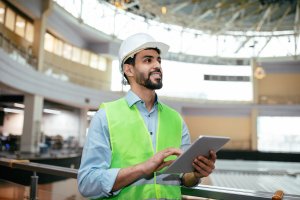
131	144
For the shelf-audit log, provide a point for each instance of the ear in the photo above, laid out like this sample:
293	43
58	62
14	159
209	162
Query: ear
128	70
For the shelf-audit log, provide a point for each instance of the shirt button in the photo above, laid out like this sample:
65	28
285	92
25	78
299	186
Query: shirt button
149	115
151	133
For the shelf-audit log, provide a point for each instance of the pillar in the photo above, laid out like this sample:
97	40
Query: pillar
32	123
33	103
254	82
39	34
253	142
83	124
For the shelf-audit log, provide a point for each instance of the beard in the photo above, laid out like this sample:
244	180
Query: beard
145	81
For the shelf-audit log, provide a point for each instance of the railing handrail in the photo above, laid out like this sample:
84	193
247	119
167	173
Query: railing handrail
199	191
259	172
223	193
41	168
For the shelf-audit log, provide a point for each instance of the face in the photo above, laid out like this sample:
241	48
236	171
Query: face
147	69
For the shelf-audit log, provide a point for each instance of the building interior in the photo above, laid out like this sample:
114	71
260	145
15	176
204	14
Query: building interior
233	69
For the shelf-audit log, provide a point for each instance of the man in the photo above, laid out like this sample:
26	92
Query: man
130	140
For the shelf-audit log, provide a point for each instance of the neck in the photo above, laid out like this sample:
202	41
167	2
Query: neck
147	95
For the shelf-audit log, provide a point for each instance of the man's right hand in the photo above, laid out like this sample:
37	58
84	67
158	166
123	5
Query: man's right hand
157	162
128	175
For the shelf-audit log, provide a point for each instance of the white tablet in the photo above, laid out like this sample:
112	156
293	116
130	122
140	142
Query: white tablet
201	146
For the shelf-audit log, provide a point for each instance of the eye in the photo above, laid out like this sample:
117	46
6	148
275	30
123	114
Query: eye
148	60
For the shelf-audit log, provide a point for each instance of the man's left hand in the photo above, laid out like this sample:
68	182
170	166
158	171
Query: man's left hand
204	165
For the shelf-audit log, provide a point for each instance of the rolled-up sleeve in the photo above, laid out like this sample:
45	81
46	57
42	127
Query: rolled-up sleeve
95	178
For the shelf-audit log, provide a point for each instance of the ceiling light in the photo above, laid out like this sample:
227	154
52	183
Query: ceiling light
50	111
259	73
11	110
163	10
91	113
19	105
118	4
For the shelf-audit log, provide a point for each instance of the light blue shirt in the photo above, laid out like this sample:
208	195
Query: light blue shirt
95	178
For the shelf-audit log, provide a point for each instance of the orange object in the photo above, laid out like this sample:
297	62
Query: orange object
11	162
277	195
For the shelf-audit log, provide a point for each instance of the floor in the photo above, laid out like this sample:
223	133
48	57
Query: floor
60	190
264	176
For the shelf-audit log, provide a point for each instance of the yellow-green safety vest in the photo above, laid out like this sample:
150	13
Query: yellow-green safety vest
131	144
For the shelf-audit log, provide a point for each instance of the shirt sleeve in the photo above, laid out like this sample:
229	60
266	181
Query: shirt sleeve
95	178
185	140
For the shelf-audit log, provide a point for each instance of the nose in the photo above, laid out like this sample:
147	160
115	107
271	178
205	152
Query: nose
157	68
158	64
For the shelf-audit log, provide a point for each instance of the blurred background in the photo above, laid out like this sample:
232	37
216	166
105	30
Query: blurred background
233	69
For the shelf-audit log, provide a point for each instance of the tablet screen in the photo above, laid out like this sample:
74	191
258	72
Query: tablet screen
201	146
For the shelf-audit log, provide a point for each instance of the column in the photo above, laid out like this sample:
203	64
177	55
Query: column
33	103
253	132
39	34
254	82
32	123
83	124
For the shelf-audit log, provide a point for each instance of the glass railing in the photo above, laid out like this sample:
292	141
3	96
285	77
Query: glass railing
58	72
203	191
23	56
17	53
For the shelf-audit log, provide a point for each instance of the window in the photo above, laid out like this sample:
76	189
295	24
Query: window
58	47
20	26
94	61
29	34
49	42
76	54
67	52
2	12
102	63
278	134
85	57
187	80
10	19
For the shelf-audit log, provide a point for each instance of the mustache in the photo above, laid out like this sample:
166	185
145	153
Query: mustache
155	71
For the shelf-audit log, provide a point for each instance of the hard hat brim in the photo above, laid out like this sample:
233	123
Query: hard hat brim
159	45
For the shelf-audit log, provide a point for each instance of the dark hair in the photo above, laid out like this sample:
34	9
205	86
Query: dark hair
129	61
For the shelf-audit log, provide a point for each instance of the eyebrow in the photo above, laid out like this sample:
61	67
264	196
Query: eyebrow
148	56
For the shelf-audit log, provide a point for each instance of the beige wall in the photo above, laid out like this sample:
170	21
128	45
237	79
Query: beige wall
278	88
280	85
237	128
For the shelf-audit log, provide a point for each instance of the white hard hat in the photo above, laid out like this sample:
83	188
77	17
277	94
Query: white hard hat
138	42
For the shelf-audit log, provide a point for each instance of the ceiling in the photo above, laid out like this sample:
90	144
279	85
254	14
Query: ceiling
219	16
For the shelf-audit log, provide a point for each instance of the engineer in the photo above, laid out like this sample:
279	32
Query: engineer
132	139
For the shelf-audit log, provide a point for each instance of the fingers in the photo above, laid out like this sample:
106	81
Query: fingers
205	166
170	151
164	164
158	162
213	156
202	168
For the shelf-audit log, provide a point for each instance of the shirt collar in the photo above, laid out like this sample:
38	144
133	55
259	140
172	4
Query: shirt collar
132	99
